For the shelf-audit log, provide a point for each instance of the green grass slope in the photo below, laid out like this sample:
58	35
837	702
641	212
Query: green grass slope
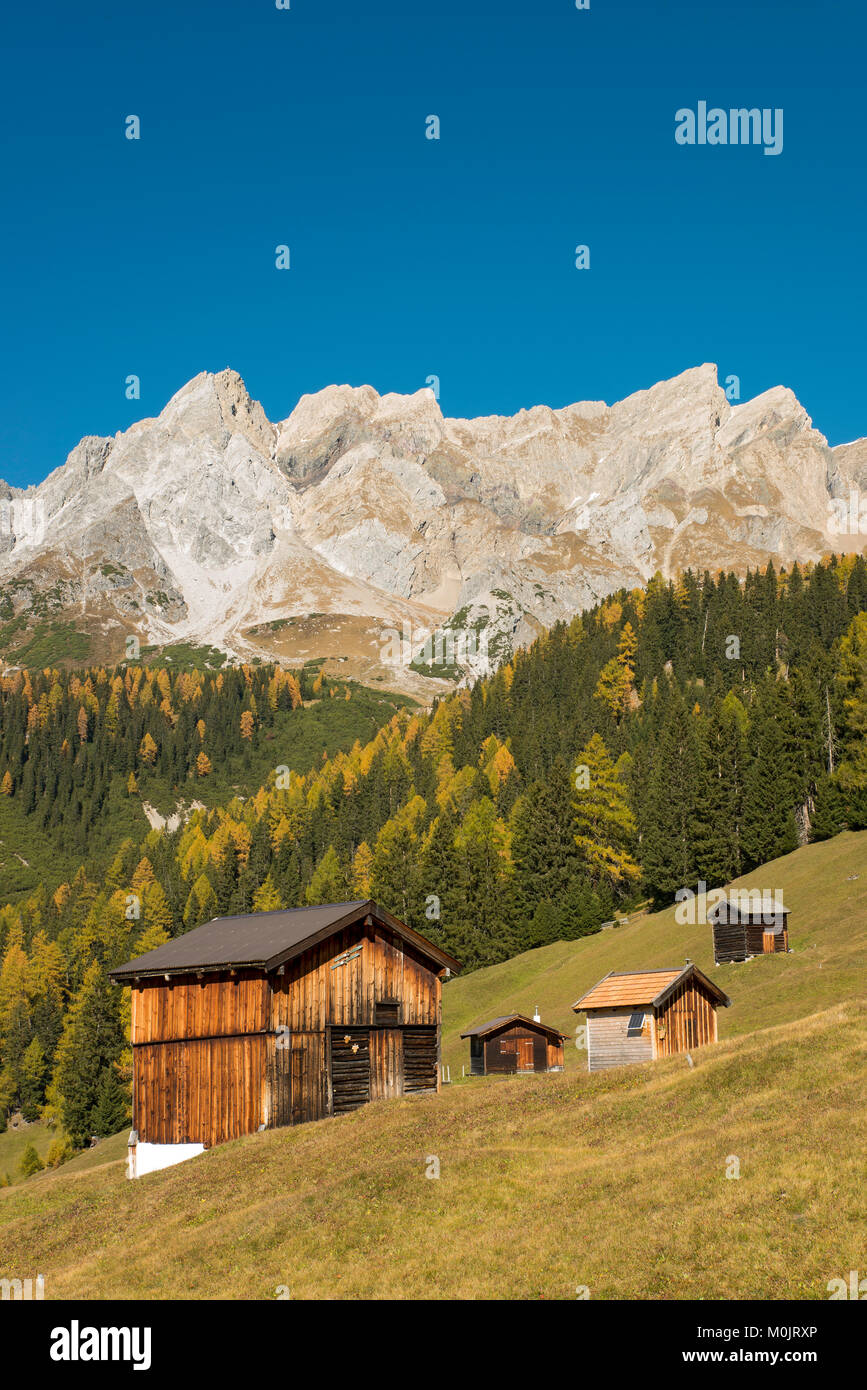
13	1142
825	887
615	1182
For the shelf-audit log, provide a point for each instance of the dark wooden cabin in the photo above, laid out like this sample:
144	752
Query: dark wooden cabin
514	1043
641	1015
748	925
276	1018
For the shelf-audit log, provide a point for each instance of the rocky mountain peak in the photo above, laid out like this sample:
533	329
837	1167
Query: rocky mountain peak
367	512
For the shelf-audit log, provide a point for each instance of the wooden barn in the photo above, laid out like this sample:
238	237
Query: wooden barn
748	925
514	1043
641	1015
276	1018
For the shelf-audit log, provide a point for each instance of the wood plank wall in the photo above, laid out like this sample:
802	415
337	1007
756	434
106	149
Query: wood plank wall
199	1091
736	941
317	990
501	1053
729	941
686	1020
386	1063
217	1005
554	1054
218	1057
608	1044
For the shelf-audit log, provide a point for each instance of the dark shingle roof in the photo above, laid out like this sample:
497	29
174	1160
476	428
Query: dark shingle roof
765	910
265	940
493	1024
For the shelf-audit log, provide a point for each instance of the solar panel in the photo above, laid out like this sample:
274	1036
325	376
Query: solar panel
636	1024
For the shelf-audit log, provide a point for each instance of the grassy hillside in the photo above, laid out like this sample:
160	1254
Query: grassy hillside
615	1181
825	887
13	1142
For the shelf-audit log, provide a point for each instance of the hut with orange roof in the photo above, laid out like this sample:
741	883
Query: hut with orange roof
641	1015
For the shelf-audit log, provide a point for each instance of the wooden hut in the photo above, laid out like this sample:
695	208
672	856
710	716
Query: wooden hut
745	925
641	1015
514	1043
276	1018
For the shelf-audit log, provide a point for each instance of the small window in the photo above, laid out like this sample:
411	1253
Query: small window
636	1025
387	1011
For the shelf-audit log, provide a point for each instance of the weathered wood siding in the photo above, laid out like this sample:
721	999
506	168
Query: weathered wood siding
763	940
386	1063
554	1057
217	1005
736	941
516	1048
729	941
217	1057
608	1044
340	981
350	1068
686	1020
421	1074
199	1091
297	1078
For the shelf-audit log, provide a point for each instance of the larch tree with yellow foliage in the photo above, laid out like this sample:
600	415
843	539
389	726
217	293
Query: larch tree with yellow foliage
604	825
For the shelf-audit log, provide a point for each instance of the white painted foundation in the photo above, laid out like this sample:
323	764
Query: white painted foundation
149	1158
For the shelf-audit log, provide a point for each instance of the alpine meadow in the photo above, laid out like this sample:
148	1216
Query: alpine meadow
620	758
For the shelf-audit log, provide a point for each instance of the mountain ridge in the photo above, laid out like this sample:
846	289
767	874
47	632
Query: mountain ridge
362	514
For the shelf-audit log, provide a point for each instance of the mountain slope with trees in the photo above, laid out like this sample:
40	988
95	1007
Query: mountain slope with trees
688	730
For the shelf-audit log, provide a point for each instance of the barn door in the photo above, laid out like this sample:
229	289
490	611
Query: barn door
525	1054
386	1063
350	1068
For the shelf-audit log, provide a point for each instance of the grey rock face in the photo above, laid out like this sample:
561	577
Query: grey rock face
209	519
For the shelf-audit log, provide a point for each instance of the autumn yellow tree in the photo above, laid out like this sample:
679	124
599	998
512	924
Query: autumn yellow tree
616	677
267	897
362	866
147	750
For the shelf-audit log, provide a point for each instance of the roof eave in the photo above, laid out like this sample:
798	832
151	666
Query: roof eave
578	1006
687	972
127	974
484	1029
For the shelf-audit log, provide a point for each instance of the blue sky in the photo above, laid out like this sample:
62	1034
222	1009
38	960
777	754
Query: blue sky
412	257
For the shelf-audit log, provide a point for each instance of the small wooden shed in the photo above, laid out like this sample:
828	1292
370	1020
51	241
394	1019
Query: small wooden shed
641	1015
275	1018
514	1043
748	925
